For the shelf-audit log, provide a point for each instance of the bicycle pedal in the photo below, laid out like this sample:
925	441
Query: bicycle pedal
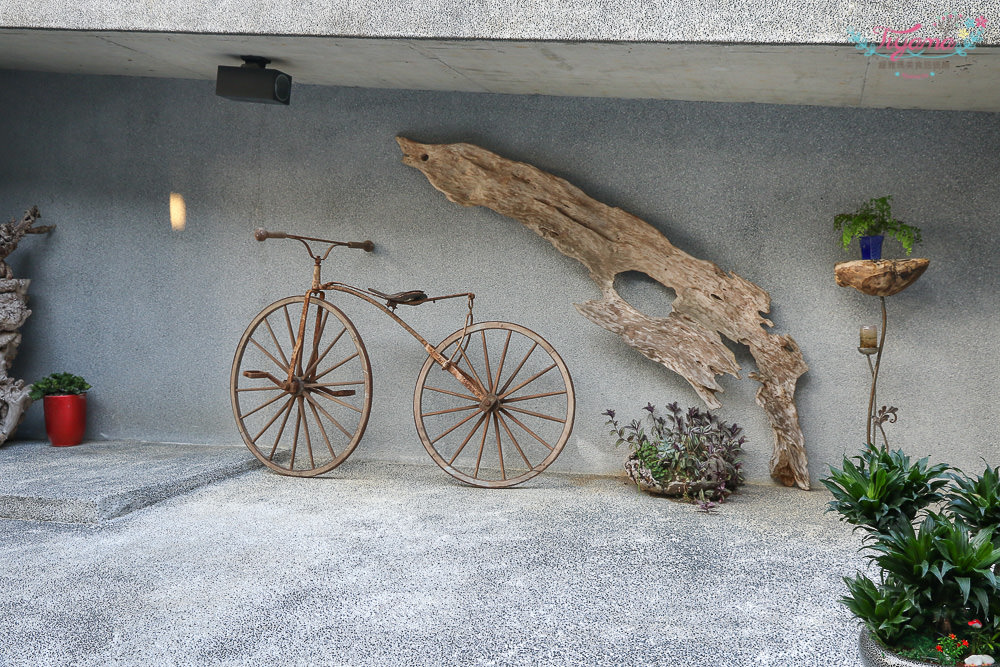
338	392
255	375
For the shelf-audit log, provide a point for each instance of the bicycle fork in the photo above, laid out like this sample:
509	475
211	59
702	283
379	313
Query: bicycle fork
295	383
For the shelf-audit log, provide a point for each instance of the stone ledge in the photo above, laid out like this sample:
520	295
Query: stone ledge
97	481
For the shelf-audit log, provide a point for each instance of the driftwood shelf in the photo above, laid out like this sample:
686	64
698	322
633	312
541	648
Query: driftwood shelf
881	277
710	303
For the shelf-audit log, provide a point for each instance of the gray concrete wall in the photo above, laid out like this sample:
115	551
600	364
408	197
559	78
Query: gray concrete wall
151	316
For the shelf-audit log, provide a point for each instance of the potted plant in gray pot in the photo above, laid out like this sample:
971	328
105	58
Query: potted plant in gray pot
65	404
930	533
870	223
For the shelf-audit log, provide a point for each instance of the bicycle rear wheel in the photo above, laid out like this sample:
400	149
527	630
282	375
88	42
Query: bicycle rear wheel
522	425
311	426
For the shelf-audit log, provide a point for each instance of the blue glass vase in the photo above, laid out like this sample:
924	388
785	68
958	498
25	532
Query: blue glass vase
871	247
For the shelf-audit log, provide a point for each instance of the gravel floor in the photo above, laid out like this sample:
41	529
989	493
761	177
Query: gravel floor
387	564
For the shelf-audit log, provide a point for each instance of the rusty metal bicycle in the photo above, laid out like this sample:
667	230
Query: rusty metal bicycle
493	403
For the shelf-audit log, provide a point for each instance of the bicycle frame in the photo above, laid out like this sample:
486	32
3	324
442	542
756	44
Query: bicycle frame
318	289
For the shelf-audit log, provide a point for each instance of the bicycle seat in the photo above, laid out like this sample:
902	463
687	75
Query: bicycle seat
410	298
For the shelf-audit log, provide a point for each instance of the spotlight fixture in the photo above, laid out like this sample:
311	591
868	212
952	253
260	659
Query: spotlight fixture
253	83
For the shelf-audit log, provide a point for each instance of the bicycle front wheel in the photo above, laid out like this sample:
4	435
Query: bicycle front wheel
312	424
518	429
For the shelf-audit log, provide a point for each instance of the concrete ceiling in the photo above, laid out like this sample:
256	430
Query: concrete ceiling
779	74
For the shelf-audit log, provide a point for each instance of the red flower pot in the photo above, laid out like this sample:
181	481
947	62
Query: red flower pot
65	419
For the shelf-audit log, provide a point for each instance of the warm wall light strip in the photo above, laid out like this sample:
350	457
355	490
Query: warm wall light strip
178	212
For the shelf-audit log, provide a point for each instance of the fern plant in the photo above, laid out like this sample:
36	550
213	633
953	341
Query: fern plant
874	218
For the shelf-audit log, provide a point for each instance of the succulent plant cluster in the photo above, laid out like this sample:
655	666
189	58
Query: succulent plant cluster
686	453
58	384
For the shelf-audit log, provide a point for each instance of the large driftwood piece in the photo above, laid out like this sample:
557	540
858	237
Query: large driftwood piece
609	241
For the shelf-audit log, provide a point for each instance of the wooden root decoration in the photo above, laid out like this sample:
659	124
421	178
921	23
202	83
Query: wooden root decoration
881	277
609	241
14	399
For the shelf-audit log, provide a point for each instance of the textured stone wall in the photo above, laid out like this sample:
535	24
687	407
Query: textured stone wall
150	316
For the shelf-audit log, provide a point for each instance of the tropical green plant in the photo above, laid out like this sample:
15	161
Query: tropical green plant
58	384
880	489
888	613
976	501
930	534
874	218
694	448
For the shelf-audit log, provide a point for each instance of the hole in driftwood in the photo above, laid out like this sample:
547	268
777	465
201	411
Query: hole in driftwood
424	157
645	294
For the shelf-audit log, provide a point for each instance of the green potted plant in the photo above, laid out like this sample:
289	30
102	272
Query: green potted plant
928	532
871	223
65	404
691	455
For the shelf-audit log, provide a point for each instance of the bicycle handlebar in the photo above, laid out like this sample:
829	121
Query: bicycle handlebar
262	235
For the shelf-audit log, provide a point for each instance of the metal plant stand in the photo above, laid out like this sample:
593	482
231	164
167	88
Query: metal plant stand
881	278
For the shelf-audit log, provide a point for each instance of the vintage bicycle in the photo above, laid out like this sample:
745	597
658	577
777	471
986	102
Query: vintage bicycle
493	403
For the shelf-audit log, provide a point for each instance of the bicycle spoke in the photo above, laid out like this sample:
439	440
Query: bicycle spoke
287	410
536	414
528	398
288	322
486	357
336	423
518	369
503	473
270	356
321	385
277	345
313	364
336	400
472	368
269	387
453	428
319	423
482	444
528	430
268	424
319	327
295	438
441	412
451	393
503	357
261	407
305	428
517	446
528	381
468	437
316	362
336	366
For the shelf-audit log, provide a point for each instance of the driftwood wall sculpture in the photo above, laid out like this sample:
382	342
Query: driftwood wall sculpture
609	241
14	311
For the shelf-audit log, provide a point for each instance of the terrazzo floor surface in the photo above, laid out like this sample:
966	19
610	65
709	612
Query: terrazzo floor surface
389	564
